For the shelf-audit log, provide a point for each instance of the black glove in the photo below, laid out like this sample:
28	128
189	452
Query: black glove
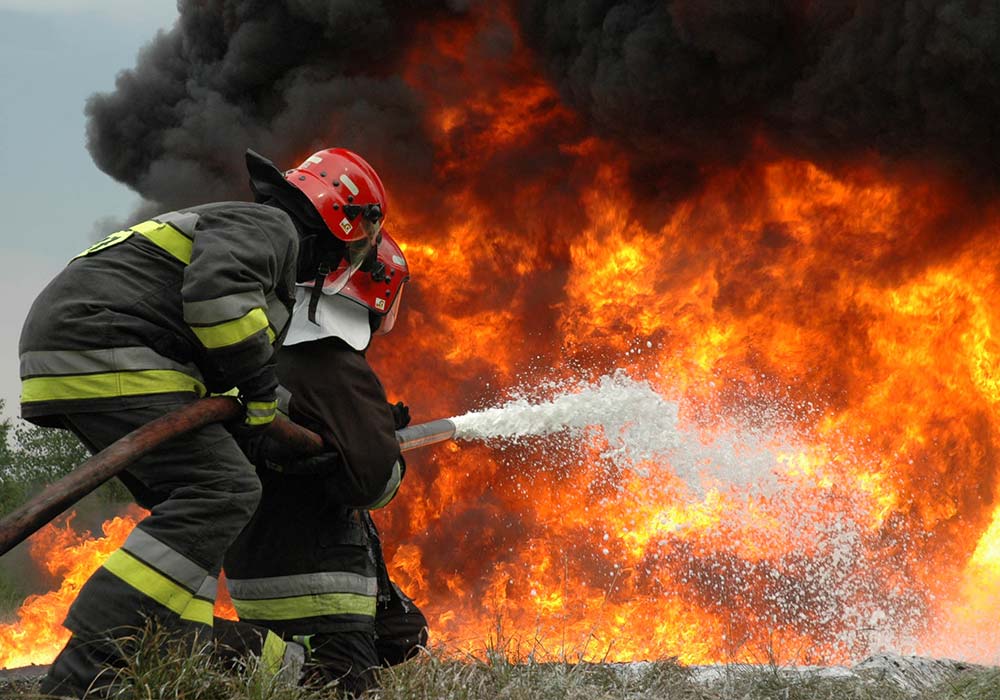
256	445
400	414
259	397
324	463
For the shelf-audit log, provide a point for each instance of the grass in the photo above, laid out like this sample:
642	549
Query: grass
160	667
982	685
12	594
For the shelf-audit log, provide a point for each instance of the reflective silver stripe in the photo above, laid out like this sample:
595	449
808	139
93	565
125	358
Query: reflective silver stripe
213	311
168	561
54	362
302	584
261	409
390	488
277	314
209	589
183	221
284	399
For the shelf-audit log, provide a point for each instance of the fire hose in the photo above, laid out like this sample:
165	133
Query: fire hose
61	494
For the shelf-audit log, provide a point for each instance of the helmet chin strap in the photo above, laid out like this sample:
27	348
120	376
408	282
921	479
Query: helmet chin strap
329	260
317	291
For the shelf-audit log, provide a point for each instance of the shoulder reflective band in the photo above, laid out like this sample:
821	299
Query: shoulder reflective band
106	242
168	238
163	235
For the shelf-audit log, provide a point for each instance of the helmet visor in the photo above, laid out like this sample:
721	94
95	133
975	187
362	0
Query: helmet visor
358	252
389	320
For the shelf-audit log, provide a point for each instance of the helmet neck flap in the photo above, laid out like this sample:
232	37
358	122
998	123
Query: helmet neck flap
316	246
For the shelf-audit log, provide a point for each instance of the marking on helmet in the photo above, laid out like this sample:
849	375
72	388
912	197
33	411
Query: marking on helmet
349	184
313	159
346	225
398	260
379	303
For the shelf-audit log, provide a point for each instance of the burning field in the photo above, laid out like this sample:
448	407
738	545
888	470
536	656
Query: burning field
757	244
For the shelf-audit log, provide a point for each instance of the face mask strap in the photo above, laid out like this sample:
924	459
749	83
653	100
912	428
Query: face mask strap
317	291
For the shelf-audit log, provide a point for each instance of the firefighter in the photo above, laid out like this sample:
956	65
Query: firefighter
309	564
149	319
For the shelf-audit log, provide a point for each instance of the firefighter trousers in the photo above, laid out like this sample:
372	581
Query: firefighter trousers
201	491
351	659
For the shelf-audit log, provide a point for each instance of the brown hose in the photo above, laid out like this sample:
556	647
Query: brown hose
61	494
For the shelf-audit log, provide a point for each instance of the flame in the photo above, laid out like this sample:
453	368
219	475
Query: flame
843	316
37	634
826	332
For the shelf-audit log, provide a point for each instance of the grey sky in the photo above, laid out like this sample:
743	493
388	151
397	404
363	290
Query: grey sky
53	55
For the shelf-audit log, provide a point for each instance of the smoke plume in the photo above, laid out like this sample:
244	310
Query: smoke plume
283	77
686	85
696	80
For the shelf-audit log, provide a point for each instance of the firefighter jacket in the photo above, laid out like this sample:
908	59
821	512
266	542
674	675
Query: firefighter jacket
309	562
186	303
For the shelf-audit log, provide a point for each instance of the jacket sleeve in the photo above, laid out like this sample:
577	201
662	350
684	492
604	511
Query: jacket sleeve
242	261
335	392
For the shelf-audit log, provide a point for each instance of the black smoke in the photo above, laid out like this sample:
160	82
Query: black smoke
691	80
284	77
686	85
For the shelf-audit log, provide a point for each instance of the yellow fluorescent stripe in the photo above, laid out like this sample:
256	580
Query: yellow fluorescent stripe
260	412
198	610
110	384
168	238
231	332
106	242
148	581
306	606
272	656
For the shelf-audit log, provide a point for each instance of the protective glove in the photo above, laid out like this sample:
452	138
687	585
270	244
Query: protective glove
400	414
324	463
256	445
259	397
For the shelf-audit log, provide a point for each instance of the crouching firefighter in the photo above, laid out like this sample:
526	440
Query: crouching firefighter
149	319
309	564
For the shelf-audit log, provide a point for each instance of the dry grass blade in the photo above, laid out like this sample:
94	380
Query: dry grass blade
162	667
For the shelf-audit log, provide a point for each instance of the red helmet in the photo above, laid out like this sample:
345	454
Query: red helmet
378	285
350	198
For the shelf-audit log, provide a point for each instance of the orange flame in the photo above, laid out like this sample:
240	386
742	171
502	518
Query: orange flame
37	635
826	333
846	315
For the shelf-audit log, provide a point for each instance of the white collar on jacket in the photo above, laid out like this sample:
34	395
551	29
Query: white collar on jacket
336	317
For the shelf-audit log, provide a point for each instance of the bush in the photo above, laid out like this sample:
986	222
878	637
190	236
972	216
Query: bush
33	457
